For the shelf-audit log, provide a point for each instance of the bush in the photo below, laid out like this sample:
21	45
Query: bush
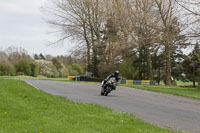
127	70
64	72
7	69
20	73
57	63
72	72
34	68
77	68
27	67
47	69
23	66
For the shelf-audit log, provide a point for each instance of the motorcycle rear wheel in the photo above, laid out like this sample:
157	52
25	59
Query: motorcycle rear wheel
107	91
102	91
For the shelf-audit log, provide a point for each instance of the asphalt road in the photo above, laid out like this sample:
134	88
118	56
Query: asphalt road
167	111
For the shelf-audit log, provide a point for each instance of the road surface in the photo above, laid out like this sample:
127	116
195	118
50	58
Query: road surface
167	111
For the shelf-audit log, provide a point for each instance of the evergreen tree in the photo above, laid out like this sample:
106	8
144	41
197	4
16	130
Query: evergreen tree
36	57
42	56
191	65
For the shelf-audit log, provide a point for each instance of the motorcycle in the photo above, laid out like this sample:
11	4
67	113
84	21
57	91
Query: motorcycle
109	86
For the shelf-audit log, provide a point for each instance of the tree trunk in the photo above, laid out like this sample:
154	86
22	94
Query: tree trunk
95	63
88	58
193	78
149	63
88	47
194	84
159	73
93	42
168	64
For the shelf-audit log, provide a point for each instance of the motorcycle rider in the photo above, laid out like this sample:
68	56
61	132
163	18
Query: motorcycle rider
115	74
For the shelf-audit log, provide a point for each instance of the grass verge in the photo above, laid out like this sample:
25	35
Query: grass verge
174	90
43	78
33	78
26	109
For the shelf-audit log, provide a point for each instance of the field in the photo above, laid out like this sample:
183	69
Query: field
26	109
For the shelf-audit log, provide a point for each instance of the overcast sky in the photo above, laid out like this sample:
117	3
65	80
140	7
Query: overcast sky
22	25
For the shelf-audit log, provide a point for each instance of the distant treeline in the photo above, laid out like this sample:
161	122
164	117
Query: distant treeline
16	61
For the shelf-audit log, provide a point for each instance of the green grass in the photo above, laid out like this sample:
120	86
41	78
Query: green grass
26	109
43	78
180	83
35	78
174	90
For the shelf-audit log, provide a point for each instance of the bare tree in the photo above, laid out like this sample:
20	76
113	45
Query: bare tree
82	20
170	31
3	56
137	21
192	12
114	29
146	30
16	54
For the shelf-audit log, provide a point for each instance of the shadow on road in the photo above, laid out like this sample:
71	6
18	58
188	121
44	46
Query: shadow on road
107	96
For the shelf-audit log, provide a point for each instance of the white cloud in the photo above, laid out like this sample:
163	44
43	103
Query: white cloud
22	25
20	6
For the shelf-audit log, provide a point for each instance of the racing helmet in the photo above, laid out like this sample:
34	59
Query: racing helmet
116	73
